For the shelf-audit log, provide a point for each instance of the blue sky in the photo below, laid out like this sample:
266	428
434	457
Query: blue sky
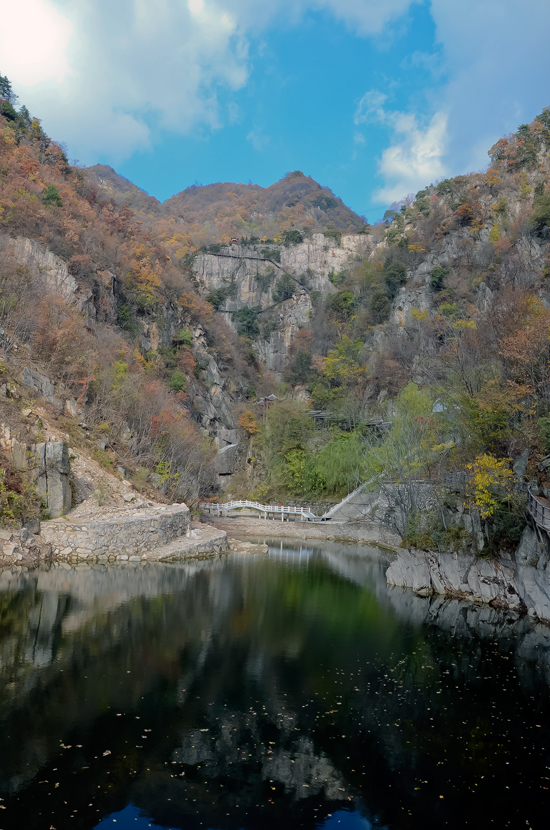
374	100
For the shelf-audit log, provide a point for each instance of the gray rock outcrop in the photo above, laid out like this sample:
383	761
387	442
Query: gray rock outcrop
249	276
520	583
48	466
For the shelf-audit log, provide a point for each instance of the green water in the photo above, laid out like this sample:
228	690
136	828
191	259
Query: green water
288	690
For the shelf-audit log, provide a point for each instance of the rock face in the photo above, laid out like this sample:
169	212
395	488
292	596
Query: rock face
48	465
521	583
53	270
248	276
50	462
225	462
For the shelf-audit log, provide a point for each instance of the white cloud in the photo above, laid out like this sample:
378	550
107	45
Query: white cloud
415	155
104	75
494	55
370	108
365	17
415	161
100	74
33	39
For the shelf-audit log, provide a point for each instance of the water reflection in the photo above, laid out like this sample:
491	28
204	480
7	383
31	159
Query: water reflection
295	688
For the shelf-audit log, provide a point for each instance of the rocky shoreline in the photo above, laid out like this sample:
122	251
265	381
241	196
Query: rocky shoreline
519	583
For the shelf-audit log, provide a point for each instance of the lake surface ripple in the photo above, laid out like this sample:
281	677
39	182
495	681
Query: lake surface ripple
289	690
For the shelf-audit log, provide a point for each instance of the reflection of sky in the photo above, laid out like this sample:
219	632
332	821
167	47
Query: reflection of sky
131	817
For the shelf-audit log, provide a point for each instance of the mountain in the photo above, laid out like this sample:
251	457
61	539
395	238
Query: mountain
121	190
424	339
215	213
296	201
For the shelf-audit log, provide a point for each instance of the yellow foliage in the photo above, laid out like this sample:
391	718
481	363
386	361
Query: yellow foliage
460	325
418	315
491	481
248	422
342	363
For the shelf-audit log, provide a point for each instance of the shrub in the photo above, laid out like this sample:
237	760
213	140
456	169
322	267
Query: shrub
540	218
437	278
183	337
217	297
292	237
285	288
271	253
395	275
331	233
50	196
177	381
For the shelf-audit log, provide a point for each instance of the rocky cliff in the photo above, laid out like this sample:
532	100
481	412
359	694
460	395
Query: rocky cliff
520	582
211	394
250	275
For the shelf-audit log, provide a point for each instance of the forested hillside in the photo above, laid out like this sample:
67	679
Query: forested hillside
145	374
213	214
441	332
424	339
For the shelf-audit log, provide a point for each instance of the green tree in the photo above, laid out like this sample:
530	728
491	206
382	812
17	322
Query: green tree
395	275
437	278
177	381
247	321
343	364
380	307
343	304
50	196
6	91
285	288
341	463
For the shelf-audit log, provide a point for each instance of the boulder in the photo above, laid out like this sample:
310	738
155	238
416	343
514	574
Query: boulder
38	382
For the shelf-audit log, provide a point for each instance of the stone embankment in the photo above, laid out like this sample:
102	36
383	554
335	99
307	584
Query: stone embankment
143	532
520	583
22	547
360	533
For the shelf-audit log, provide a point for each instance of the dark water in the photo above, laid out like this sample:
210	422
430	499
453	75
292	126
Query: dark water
295	690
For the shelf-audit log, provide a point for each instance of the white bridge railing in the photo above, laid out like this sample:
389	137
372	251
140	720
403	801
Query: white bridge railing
282	509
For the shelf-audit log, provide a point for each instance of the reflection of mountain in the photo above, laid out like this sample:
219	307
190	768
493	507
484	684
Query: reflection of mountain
272	689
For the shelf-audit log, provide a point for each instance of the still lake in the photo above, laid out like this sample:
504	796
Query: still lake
289	690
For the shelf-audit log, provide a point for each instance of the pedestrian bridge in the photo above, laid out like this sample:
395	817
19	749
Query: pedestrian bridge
267	509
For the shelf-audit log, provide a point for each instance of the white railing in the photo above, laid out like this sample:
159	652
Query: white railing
284	510
539	508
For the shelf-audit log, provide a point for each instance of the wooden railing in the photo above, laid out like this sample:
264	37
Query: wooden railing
539	509
284	510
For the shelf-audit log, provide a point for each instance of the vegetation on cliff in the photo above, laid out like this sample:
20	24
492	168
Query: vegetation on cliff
429	352
453	298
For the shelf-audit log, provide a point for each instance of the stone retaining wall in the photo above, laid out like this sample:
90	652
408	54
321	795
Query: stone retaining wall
130	536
